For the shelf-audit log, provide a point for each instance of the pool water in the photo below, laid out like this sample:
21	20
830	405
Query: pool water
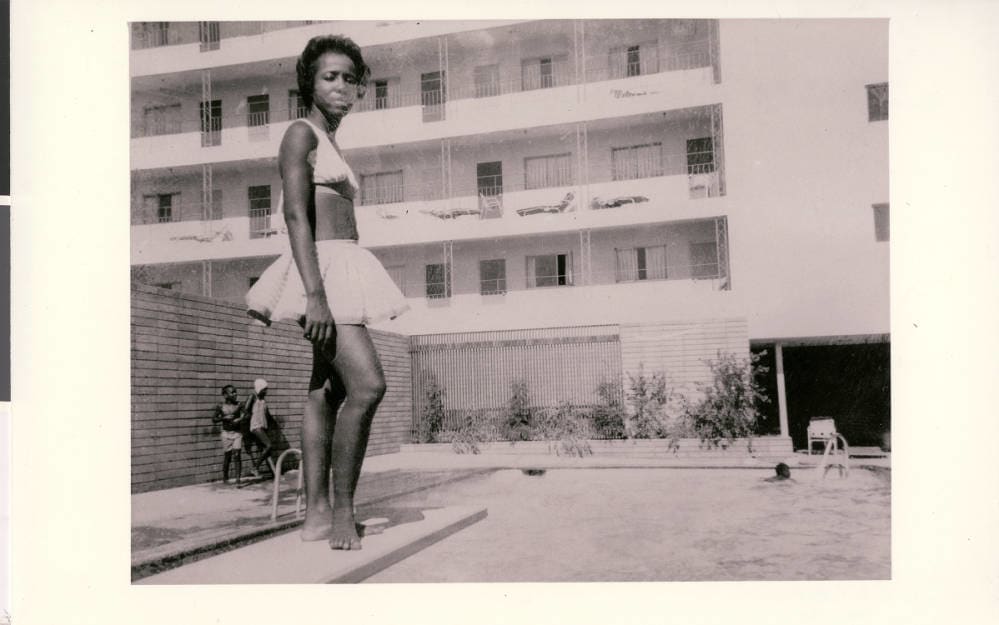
659	525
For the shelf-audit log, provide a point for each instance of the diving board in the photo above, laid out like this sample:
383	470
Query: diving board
285	559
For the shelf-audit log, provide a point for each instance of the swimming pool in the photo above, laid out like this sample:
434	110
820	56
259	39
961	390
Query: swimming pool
659	525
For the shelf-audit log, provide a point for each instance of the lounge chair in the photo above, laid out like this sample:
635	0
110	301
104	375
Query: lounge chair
451	213
561	207
599	203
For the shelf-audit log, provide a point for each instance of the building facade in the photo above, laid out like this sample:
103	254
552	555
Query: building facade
531	174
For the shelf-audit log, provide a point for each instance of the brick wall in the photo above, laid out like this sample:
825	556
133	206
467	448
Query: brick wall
185	348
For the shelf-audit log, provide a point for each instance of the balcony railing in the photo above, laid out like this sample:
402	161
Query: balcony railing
208	34
532	78
710	274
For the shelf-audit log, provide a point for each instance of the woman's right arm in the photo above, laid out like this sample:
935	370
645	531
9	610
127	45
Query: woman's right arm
296	177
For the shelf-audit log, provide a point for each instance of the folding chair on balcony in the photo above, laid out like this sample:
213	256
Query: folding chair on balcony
599	202
820	430
491	206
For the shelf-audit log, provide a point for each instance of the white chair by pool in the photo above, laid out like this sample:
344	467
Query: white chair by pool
820	429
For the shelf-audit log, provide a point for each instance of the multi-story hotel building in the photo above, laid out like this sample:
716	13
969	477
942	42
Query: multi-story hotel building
524	174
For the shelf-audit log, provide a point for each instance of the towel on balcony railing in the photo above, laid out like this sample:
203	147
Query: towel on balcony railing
565	205
599	202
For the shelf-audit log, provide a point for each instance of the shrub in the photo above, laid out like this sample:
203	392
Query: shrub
520	414
565	430
608	415
653	401
432	419
727	408
472	431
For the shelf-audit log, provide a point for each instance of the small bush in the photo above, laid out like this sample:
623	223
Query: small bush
432	419
652	401
608	415
565	430
727	408
472	431
520	414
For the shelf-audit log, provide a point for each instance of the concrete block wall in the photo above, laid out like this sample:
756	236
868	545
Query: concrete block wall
184	348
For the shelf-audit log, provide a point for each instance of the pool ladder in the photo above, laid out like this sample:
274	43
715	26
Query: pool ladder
836	454
277	484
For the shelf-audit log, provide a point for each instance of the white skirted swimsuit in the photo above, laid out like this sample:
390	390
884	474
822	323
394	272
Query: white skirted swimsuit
358	289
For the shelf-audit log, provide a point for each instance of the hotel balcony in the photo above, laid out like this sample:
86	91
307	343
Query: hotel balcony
679	267
434	88
653	168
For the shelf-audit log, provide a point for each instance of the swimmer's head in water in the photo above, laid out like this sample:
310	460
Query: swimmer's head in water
783	471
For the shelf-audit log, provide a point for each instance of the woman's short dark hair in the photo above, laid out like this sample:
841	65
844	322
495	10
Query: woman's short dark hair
320	45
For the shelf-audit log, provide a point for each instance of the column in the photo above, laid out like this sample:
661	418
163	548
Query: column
781	391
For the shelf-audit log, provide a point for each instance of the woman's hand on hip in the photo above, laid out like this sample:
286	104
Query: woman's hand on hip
319	325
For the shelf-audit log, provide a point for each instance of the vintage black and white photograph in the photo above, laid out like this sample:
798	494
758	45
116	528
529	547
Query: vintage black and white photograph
551	300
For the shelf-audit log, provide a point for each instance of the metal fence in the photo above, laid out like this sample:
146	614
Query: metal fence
475	371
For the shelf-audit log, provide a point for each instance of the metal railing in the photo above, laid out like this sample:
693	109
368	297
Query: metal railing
476	371
209	34
670	58
277	484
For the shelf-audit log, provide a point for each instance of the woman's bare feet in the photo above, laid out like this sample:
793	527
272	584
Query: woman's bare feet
344	533
318	525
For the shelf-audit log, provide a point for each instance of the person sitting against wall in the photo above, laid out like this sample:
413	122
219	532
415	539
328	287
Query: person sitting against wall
231	415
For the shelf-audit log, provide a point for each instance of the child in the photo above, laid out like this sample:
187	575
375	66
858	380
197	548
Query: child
256	408
231	415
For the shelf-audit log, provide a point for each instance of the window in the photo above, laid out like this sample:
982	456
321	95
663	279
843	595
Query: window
211	122
432	96
296	105
167	285
487	81
381	94
489	178
150	35
704	260
162	120
260	211
700	156
382	188
162	206
637	161
258	110
627	61
492	277
877	102
541	172
438	281
542	73
641	263
208	34
550	270
881	222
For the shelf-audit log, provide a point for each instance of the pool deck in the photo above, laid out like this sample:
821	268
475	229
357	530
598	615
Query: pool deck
179	526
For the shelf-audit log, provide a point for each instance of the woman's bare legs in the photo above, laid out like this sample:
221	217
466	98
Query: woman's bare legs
326	393
357	366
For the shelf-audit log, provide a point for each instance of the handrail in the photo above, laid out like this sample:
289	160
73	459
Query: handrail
277	484
836	446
